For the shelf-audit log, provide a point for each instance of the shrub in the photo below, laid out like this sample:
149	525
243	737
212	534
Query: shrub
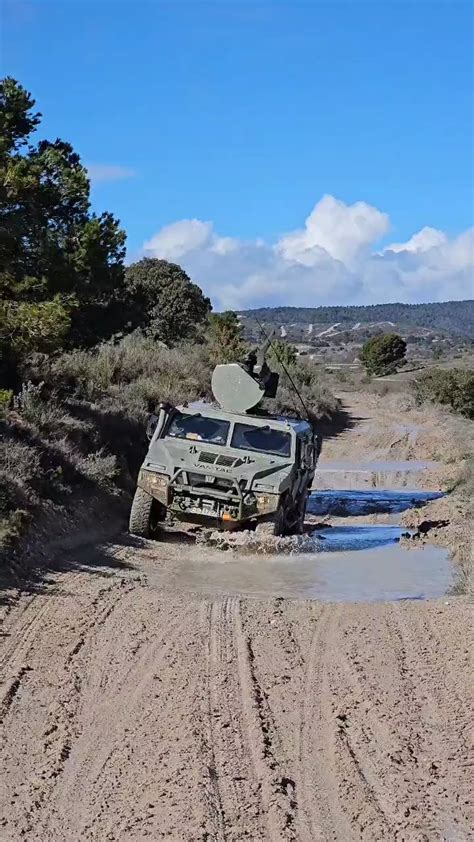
132	372
44	413
6	398
311	384
282	353
100	468
453	387
19	463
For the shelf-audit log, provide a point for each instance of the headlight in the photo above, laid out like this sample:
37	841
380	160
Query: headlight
155	480
267	502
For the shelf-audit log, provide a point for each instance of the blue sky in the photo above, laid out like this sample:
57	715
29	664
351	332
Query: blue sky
246	114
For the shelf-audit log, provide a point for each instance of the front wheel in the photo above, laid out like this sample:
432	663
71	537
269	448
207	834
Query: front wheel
273	525
145	515
299	514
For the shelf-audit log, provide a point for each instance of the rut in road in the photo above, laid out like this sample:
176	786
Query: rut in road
130	710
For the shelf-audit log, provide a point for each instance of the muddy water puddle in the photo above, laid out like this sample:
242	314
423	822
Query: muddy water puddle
339	563
380	572
359	502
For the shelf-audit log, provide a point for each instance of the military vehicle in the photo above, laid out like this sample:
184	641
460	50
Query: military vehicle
229	465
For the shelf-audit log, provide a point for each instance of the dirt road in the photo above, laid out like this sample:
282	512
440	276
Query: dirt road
133	708
131	711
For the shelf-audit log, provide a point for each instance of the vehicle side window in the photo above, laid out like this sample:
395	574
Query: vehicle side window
299	454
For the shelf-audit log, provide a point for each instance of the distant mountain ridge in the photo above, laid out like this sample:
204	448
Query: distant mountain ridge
455	317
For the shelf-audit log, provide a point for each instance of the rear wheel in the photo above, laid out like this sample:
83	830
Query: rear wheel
146	515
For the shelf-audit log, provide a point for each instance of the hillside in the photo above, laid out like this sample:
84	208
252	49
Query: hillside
447	317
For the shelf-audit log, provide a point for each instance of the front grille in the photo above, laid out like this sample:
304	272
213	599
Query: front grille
207	458
219	459
227	461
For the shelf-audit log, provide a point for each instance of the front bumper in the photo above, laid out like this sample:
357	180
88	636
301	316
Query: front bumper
230	507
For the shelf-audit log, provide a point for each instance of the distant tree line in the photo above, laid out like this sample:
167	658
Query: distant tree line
451	316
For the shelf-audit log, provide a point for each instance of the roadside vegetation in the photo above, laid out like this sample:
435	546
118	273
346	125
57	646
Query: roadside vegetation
87	344
453	388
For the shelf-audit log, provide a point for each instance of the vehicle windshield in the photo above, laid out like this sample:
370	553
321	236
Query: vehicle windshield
199	428
263	439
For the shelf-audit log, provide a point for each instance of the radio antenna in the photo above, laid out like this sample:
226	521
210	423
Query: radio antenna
275	351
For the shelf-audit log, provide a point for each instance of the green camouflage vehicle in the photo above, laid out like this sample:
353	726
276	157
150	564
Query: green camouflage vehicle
223	466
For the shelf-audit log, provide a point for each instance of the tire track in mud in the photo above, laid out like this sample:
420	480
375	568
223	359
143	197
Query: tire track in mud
277	787
233	796
150	712
431	702
322	815
59	729
106	749
364	746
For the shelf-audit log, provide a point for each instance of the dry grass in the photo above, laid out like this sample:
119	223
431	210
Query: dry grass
78	424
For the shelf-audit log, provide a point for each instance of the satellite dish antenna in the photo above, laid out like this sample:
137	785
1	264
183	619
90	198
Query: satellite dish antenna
235	389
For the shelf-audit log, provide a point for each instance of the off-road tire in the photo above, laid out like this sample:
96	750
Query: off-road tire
140	514
272	525
298	527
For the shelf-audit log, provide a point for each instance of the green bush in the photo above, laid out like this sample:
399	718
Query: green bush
225	338
6	398
453	387
380	354
315	395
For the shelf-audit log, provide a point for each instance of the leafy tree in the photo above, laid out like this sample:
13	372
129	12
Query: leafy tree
163	300
61	265
225	338
380	354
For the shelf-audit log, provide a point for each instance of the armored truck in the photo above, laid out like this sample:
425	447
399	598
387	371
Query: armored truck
227	466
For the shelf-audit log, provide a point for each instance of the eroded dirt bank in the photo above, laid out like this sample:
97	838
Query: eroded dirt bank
133	706
132	711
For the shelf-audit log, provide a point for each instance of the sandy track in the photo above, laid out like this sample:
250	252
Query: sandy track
132	706
130	710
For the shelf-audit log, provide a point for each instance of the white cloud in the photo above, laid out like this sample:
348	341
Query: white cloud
424	240
343	231
108	172
180	238
332	260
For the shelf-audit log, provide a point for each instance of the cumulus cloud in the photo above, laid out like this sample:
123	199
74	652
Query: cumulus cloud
342	231
331	260
108	172
424	240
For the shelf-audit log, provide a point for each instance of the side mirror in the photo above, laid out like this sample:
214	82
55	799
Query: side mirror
151	426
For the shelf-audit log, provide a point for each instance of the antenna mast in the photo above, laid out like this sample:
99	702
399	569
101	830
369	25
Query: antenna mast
275	351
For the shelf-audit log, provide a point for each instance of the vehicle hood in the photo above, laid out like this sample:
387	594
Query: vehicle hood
167	456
